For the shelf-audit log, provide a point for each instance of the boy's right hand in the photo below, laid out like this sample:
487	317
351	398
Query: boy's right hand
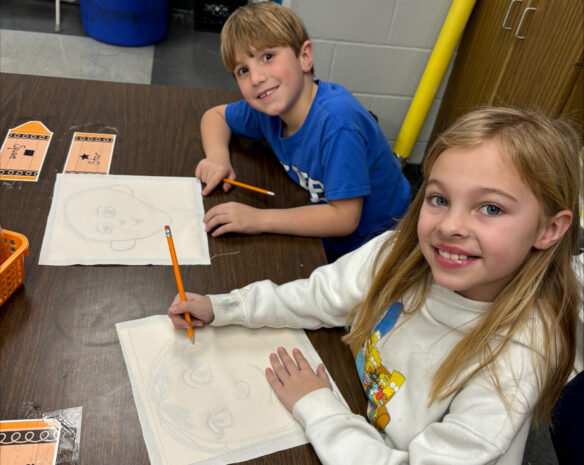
212	172
199	307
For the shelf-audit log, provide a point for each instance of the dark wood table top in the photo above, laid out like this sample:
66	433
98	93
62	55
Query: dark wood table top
58	343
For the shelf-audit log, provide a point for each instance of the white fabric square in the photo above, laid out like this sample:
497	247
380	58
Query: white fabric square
120	220
209	402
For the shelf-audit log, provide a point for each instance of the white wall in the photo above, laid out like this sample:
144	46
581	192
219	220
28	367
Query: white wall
378	49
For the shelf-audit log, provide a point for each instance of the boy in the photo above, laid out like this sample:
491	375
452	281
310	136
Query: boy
325	139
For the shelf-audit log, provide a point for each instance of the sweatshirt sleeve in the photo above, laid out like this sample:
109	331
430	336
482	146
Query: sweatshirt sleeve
322	300
339	436
478	427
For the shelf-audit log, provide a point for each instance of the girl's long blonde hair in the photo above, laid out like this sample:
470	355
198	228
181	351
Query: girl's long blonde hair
547	155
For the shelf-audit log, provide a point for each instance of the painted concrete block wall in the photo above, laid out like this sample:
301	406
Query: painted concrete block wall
378	49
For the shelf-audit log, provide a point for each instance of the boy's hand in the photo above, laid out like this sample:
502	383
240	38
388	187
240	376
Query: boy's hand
293	379
212	172
233	217
199	306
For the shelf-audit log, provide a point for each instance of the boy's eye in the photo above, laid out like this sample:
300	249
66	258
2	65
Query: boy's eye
267	56
437	200
241	71
491	210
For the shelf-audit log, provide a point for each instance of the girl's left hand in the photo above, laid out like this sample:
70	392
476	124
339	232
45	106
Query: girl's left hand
293	379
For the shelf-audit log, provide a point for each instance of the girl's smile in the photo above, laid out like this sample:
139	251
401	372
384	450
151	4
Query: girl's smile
452	258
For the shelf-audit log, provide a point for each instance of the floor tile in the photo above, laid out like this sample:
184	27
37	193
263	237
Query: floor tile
46	54
39	16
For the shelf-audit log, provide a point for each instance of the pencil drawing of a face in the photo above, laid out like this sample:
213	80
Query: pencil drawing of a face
113	215
209	402
223	394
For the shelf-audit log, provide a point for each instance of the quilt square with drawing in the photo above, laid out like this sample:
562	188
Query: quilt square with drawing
119	220
209	402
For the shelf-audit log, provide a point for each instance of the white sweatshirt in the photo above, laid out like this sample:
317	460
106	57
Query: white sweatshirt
473	426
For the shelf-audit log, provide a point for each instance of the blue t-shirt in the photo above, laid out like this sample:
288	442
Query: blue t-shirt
339	152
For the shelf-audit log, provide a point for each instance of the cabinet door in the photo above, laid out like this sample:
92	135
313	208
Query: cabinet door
515	53
573	109
482	54
540	72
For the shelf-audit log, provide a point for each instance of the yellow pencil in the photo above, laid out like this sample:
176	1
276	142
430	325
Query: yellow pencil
179	283
247	186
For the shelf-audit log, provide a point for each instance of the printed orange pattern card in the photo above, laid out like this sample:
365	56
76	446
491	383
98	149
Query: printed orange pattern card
23	151
90	153
29	442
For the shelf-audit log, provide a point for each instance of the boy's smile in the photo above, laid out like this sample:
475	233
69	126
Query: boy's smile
277	82
478	222
267	93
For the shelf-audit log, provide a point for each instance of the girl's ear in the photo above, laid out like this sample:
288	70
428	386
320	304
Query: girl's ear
306	56
554	229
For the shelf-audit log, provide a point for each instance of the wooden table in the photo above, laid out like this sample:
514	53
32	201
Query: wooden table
58	344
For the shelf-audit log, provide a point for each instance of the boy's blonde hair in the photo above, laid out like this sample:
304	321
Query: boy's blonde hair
260	26
547	155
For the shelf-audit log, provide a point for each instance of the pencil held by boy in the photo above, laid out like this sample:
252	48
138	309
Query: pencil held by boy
462	320
324	138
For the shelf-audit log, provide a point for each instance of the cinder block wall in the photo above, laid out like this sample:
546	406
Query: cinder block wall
378	49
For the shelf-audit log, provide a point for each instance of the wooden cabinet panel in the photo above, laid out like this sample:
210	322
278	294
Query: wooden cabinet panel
541	70
516	53
573	109
486	40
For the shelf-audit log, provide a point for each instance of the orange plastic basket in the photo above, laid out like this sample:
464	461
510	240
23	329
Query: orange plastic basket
14	247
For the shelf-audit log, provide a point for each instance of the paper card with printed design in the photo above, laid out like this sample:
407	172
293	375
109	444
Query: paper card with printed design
23	152
90	153
29	442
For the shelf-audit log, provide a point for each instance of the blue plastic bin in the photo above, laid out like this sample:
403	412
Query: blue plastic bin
125	22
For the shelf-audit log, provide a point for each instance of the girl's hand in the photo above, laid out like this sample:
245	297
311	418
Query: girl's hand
293	379
212	173
233	217
199	306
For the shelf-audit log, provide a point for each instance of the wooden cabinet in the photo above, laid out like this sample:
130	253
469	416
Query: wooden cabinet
524	53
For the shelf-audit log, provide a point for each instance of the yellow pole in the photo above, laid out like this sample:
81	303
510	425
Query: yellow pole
436	67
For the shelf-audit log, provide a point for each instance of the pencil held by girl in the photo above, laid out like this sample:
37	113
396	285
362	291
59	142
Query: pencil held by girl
462	320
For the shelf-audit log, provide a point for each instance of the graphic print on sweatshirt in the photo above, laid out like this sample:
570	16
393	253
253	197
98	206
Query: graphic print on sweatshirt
379	383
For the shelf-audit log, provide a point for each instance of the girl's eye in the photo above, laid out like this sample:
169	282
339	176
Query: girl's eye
438	201
491	210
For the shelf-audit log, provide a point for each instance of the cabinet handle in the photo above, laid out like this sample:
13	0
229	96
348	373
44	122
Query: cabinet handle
504	25
521	22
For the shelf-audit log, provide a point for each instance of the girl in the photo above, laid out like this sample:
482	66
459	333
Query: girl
462	321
